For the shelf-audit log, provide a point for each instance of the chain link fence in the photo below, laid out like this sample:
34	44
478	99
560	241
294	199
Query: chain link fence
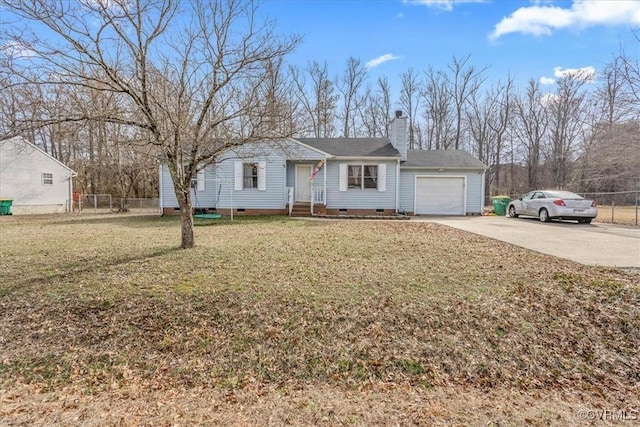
138	205
620	207
105	203
93	203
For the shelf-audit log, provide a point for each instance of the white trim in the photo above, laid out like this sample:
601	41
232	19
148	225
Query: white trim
238	174
160	189
365	159
464	189
48	180
262	176
343	185
317	150
382	177
200	180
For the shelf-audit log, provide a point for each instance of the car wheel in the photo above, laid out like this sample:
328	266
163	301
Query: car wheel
512	212
587	221
544	215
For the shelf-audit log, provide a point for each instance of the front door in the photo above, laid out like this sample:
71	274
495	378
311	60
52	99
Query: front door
303	183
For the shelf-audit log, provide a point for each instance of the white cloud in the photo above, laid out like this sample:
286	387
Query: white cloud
548	99
17	50
543	20
446	5
381	60
588	74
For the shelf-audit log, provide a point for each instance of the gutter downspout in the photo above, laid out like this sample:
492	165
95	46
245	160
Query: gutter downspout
484	175
160	192
398	187
70	204
324	167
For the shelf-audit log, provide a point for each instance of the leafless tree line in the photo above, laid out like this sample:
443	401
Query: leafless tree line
114	89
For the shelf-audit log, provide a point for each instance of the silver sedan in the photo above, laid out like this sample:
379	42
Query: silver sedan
553	204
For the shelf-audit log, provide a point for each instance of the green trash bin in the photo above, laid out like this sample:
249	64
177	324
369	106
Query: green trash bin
500	204
5	206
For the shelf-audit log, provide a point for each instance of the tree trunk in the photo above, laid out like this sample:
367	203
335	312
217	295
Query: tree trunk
188	240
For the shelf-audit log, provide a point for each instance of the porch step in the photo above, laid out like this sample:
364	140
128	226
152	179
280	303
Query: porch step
301	209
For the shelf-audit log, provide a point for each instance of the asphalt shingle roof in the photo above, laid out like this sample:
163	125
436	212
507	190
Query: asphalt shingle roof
353	147
447	159
381	147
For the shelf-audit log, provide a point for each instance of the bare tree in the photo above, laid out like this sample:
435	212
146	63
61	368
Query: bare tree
376	117
530	129
194	89
463	80
410	102
566	119
438	111
629	68
488	118
502	94
317	99
349	85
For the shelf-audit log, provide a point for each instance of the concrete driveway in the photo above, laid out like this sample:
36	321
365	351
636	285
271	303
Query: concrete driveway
591	244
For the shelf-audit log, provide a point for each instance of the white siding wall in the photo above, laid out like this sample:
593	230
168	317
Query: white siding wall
21	169
474	190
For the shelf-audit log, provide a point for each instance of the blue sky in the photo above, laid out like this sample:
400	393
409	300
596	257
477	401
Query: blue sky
528	39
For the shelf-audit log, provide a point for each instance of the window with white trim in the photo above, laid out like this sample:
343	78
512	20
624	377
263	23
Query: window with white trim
363	176
250	175
47	178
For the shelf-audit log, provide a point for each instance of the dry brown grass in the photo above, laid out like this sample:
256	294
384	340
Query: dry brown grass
625	215
271	321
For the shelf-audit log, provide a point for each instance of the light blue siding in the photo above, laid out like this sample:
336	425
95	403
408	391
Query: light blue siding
474	190
200	199
220	191
369	198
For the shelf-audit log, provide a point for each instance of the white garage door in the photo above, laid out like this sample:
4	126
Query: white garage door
439	196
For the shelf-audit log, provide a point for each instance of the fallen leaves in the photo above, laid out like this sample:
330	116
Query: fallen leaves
267	305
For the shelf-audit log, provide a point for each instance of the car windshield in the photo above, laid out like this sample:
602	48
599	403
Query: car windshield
563	195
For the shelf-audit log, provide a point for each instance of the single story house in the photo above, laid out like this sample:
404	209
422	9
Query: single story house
336	176
36	182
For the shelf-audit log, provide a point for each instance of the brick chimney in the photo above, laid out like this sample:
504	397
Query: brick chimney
398	134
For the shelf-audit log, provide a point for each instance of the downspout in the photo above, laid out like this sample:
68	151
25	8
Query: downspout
313	195
324	191
398	187
484	174
71	176
160	192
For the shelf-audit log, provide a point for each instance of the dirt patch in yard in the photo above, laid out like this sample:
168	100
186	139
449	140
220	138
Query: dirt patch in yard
271	321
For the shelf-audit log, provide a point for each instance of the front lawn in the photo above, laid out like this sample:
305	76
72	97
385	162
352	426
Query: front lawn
268	321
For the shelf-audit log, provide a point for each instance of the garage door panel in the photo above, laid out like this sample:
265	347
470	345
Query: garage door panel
439	196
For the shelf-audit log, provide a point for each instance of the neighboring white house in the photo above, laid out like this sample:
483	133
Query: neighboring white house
35	181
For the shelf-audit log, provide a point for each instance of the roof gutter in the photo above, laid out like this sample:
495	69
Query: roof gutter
437	168
361	158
